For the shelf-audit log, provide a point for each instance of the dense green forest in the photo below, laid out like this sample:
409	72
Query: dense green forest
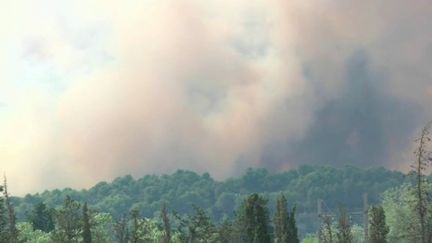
184	189
258	207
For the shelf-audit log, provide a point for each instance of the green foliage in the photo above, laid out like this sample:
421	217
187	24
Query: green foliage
357	233
41	217
326	231
166	224
399	207
302	186
102	228
149	230
136	224
343	234
4	229
12	233
26	234
280	220
309	238
68	219
86	232
121	230
198	227
419	167
254	221
378	229
229	232
292	227
284	222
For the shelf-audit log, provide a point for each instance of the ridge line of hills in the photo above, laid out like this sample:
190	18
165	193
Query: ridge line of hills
183	189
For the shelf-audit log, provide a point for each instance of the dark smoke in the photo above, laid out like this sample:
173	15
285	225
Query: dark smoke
362	126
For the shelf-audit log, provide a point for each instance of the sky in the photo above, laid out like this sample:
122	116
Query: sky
92	89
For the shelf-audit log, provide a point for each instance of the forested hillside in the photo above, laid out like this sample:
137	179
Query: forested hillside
183	189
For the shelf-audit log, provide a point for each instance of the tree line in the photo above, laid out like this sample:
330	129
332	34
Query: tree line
75	222
303	186
251	223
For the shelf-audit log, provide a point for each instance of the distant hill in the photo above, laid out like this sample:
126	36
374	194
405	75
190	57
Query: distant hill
302	186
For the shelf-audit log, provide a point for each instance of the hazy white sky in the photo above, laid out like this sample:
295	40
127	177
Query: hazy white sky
91	89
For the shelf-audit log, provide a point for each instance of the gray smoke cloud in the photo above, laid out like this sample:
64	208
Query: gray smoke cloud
364	125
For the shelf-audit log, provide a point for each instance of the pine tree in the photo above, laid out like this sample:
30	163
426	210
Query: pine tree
41	218
204	230
292	227
135	225
262	234
12	230
281	220
86	233
423	159
378	229
284	222
197	227
121	231
253	220
4	232
166	224
68	221
344	234
229	232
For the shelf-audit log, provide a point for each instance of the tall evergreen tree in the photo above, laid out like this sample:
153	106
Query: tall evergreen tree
292	227
344	234
41	218
68	220
229	232
378	229
281	220
12	230
204	229
121	231
166	224
423	159
253	219
197	227
135	225
4	231
86	232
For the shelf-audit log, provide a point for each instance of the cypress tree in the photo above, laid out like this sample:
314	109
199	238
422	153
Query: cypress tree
378	228
86	233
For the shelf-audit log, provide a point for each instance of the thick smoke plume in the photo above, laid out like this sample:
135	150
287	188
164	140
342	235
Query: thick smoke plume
97	89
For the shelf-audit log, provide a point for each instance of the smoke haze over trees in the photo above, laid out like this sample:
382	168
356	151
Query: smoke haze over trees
221	86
